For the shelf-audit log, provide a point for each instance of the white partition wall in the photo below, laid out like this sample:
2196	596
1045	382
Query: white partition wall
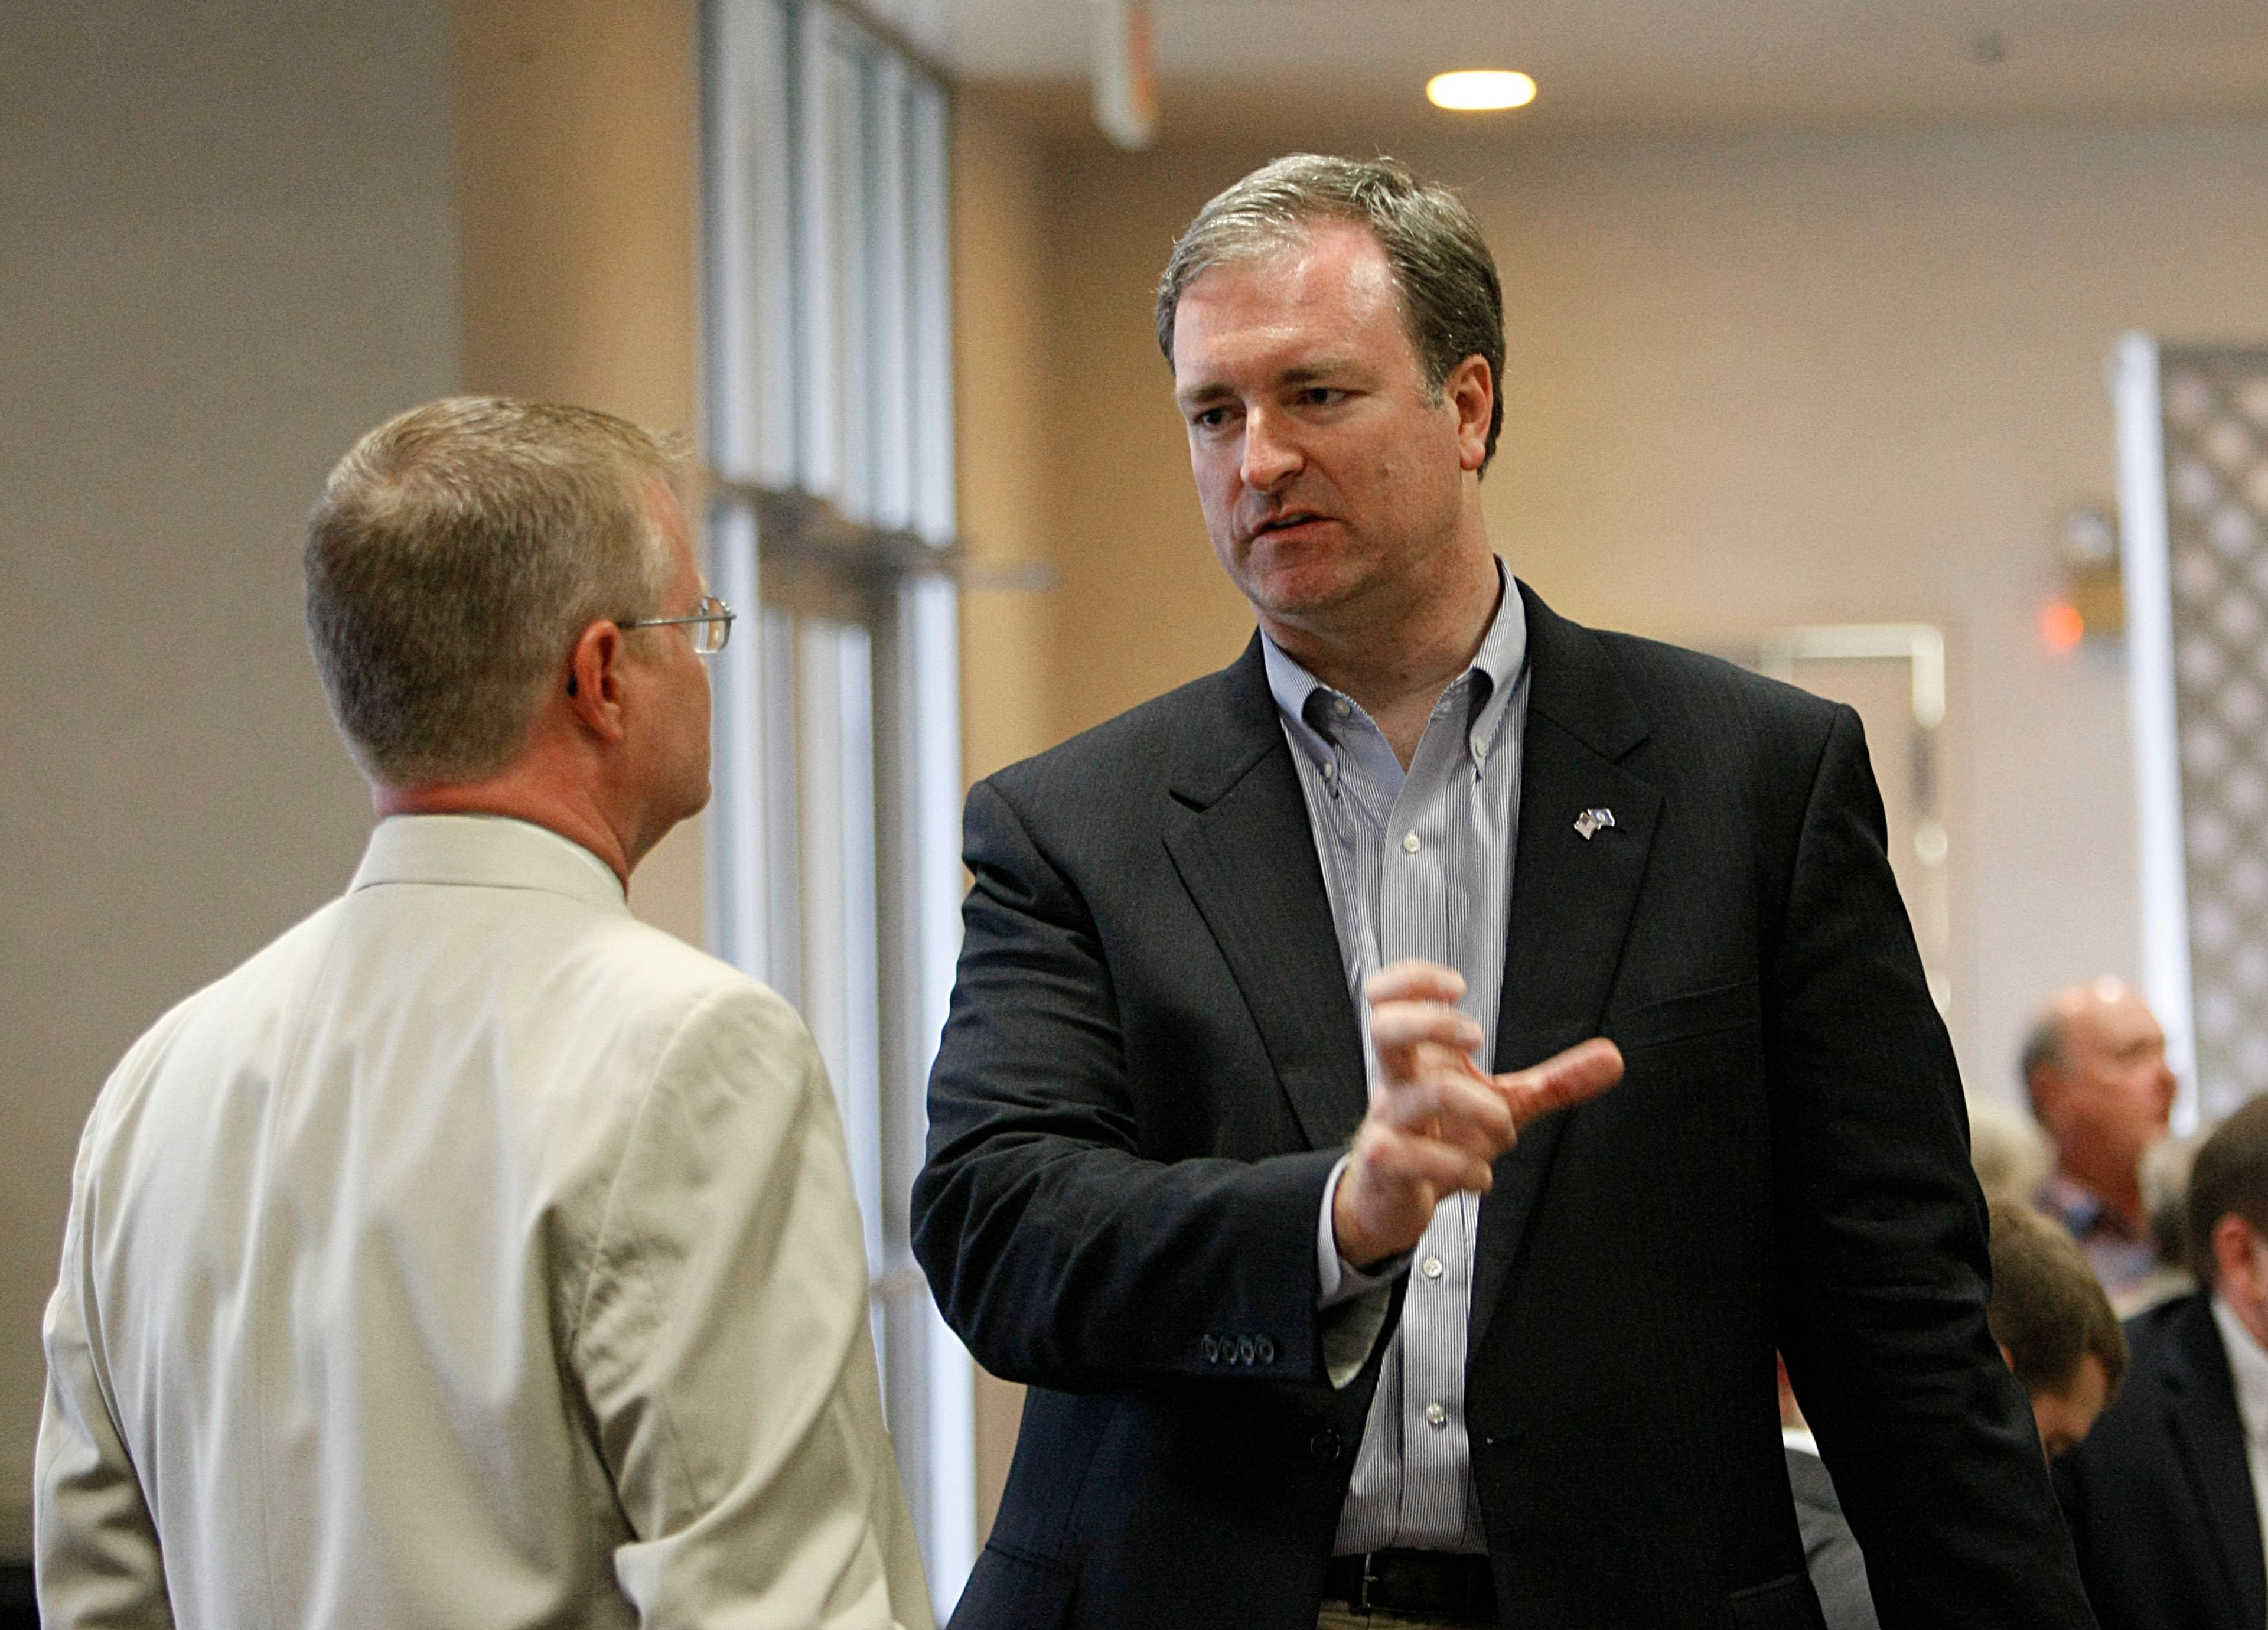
2193	504
835	861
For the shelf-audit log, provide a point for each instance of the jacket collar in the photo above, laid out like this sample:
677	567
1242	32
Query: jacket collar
491	852
1574	892
1238	835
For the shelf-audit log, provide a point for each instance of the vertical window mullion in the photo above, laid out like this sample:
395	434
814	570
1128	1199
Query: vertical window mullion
836	873
818	309
890	279
929	306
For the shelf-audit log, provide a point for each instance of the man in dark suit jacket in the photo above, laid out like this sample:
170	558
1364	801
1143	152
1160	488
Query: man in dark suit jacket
2163	1499
1176	1170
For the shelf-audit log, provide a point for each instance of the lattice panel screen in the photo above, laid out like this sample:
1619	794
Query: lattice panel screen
2215	424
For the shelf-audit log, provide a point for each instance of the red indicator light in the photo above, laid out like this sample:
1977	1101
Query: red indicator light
2061	627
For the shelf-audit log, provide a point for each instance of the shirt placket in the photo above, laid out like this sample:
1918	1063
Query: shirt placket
1413	919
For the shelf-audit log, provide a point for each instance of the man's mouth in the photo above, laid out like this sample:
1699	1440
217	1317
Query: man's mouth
1286	522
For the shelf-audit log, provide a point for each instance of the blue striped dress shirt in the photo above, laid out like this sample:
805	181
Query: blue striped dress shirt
1416	864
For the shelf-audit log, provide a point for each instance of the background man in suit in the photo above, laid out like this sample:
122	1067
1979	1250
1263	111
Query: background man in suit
475	1254
2165	1498
2095	1067
1317	1312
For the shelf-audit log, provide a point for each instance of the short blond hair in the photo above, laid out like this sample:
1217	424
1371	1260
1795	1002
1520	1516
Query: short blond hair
457	552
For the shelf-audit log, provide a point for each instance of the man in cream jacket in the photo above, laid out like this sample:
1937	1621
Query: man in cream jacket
476	1255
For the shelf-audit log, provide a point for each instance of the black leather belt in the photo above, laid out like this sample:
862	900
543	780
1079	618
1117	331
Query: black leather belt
1426	1584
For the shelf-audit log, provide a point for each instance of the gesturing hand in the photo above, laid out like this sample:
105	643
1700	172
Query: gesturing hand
1437	1121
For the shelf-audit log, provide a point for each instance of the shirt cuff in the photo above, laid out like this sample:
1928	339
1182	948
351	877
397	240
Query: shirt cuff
1336	1279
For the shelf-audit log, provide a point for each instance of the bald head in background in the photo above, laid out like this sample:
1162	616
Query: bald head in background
2095	1069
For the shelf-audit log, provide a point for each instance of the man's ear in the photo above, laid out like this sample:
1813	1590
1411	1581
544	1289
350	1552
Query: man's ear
594	681
2231	1244
1471	389
2044	1086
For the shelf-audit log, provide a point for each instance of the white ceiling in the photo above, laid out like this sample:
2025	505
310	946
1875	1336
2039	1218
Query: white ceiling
1608	64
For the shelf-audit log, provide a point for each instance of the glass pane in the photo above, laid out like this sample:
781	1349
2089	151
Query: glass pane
835	768
838	877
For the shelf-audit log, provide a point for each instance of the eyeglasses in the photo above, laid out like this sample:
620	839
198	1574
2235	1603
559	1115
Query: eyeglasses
711	626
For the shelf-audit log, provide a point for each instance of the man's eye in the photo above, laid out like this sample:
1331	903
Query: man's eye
1321	395
1212	419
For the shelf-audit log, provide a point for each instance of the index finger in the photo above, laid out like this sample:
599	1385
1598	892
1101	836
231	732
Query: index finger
1414	979
1563	1080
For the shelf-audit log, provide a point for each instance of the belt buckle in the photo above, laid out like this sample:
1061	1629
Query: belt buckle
1369	1578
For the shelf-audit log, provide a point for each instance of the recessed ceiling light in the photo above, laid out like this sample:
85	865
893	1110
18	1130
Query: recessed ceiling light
1480	90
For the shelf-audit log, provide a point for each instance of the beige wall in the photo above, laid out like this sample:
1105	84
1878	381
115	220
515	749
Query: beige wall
579	163
225	249
1753	381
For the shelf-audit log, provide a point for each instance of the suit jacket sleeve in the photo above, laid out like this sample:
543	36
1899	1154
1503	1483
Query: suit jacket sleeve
724	1347
1062	1248
1885	1270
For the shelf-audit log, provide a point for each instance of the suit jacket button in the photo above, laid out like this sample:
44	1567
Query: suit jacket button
1211	1351
1325	1446
1245	1351
1267	1350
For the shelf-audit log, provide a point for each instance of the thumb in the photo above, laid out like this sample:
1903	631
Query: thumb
1563	1080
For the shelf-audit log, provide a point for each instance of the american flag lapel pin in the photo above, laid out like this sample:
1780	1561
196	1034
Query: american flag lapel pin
1591	820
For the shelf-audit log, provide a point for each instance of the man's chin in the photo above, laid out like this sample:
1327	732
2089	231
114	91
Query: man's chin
1300	598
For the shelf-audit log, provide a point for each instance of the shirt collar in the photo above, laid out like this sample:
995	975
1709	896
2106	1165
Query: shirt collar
2248	1364
1495	668
486	850
2079	1209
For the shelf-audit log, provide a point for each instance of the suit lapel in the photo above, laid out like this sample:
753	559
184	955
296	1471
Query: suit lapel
1573	897
2208	1435
1239	837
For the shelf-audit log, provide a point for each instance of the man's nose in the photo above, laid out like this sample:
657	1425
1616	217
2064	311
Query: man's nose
1271	453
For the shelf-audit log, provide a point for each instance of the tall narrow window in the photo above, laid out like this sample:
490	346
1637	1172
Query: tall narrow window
834	843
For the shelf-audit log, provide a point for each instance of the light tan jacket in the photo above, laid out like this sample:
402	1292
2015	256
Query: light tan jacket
475	1255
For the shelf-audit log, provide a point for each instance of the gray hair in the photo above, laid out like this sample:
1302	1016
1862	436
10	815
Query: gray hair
455	555
1451	298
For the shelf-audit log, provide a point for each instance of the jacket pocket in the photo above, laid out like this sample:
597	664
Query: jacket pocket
1009	1591
1720	1008
1788	1604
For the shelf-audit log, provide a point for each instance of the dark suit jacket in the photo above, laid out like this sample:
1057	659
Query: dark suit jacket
1153	1062
2159	1496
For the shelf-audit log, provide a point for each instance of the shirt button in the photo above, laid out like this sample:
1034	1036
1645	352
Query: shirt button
1410	844
1342	707
1432	1268
1329	769
1436	1417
